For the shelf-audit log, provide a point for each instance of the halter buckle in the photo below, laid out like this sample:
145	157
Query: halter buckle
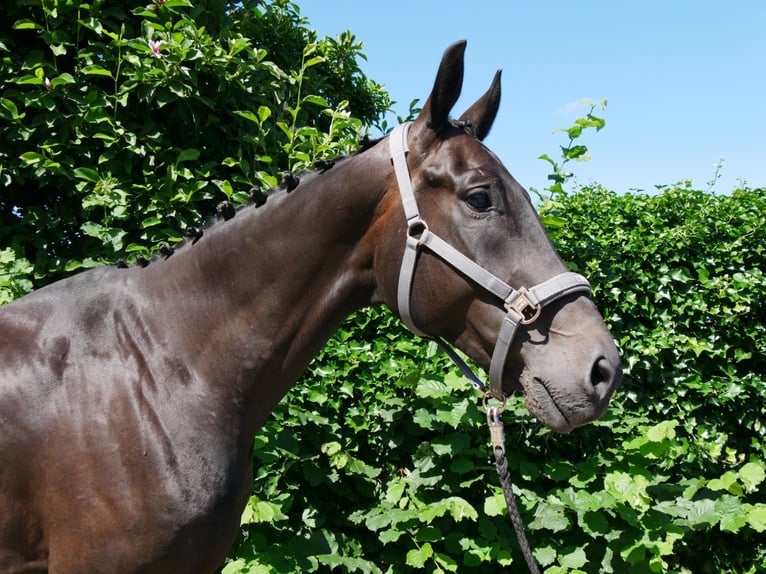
521	305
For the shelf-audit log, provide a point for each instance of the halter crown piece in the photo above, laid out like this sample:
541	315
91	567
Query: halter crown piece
522	306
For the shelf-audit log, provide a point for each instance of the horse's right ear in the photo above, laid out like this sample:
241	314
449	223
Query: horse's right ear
446	90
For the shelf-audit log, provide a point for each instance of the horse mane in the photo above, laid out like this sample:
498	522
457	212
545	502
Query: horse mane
225	210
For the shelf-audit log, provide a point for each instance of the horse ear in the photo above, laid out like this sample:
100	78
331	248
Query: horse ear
482	113
447	86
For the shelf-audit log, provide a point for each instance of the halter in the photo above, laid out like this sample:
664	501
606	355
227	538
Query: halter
523	306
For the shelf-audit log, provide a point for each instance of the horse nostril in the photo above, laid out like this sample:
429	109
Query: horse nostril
602	377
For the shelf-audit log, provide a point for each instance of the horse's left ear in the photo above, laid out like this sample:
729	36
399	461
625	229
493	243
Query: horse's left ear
446	90
482	114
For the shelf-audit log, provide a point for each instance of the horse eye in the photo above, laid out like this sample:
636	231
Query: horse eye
479	200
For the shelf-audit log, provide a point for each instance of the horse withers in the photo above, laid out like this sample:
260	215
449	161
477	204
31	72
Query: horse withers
129	397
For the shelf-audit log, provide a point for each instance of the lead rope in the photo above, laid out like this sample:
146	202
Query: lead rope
497	436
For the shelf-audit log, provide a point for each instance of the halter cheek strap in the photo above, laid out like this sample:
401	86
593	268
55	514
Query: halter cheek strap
522	306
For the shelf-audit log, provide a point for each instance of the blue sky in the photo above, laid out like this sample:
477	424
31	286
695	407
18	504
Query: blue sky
685	80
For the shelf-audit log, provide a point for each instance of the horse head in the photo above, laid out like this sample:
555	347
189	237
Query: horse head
480	255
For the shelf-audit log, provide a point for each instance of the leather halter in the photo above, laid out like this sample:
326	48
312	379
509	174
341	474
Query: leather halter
522	306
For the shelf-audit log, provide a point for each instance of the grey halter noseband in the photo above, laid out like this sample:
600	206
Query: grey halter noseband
523	306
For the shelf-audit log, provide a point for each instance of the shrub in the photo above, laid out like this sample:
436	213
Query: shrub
378	460
123	125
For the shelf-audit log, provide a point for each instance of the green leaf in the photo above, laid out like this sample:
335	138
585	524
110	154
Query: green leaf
264	113
549	517
577	152
702	512
317	100
151	221
634	553
87	174
429	534
25	24
250	116
752	474
72	265
756	518
445	561
378	521
728	482
732	514
62	80
261	511
313	62
418	557
495	505
95	70
8	109
545	555
575	559
190	154
31	157
432	389
628	489
662	431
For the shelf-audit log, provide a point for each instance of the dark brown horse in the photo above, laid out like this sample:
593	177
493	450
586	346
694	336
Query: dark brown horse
129	398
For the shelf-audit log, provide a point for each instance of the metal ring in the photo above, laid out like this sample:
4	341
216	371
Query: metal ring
488	395
533	318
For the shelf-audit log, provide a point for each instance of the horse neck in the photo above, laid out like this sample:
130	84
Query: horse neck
260	294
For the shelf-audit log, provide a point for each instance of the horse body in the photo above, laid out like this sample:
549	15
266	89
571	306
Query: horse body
129	398
134	390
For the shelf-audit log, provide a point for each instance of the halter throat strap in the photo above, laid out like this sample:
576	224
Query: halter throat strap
523	306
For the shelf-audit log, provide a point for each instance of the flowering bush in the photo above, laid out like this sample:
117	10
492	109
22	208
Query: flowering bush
121	126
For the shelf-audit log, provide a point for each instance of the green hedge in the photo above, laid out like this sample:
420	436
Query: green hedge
122	122
378	460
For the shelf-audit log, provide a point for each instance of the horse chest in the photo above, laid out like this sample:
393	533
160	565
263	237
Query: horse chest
155	511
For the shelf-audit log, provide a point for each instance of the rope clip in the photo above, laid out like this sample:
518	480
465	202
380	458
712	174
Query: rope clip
496	432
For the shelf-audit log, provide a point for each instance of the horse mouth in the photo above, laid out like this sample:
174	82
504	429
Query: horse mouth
543	406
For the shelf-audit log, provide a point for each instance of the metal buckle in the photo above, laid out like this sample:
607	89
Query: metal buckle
524	307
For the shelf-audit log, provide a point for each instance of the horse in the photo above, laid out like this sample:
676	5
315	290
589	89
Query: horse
130	395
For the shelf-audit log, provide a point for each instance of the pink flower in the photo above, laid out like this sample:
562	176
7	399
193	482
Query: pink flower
155	46
47	84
